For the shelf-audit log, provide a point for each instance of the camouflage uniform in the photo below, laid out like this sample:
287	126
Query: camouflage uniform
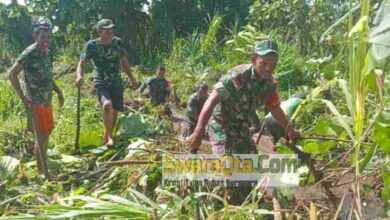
241	93
194	106
158	91
272	127
107	70
38	75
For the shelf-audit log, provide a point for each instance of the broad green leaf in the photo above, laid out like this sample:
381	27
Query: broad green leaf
133	125
386	181
8	167
70	159
323	128
382	132
312	147
339	118
90	138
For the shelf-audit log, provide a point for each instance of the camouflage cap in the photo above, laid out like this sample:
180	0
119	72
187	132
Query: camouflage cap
43	23
105	23
266	46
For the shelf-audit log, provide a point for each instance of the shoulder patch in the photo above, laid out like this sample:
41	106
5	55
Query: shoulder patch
237	82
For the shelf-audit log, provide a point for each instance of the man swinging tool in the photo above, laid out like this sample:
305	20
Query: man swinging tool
232	104
234	100
270	129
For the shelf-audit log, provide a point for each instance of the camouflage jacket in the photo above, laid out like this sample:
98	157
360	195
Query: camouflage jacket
241	94
38	75
158	89
194	106
106	59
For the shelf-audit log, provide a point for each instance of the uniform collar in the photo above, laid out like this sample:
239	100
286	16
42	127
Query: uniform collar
253	73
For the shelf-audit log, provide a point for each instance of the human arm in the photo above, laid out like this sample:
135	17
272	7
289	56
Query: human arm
59	93
195	139
283	121
126	67
13	76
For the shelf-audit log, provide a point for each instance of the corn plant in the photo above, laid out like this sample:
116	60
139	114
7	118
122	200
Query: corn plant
361	64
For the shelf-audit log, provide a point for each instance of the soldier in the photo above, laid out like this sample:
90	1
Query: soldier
159	89
234	99
37	62
232	104
108	54
272	130
194	106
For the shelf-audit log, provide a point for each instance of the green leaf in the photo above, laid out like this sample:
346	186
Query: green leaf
312	147
70	159
133	125
8	167
382	132
90	138
339	118
386	181
323	128
146	199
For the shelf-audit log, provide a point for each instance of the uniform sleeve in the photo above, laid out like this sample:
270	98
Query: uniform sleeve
144	85
167	91
22	58
192	104
87	51
225	86
193	107
122	50
274	100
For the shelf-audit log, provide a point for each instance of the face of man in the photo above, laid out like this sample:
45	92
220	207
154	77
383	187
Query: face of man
106	34
264	65
203	93
160	73
43	38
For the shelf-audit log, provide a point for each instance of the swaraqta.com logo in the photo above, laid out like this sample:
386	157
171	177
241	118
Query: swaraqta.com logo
235	170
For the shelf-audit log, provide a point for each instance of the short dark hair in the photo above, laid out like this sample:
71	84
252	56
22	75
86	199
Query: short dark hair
160	68
38	31
203	86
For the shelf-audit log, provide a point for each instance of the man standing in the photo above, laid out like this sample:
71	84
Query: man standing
194	106
159	89
234	100
37	63
108	54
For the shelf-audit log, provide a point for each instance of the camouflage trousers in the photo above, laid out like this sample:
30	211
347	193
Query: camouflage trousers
188	126
224	143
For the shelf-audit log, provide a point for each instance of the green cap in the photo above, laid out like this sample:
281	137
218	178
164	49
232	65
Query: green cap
265	47
105	23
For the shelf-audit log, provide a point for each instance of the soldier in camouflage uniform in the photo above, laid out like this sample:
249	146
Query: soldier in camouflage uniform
233	102
159	89
108	54
194	106
37	62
